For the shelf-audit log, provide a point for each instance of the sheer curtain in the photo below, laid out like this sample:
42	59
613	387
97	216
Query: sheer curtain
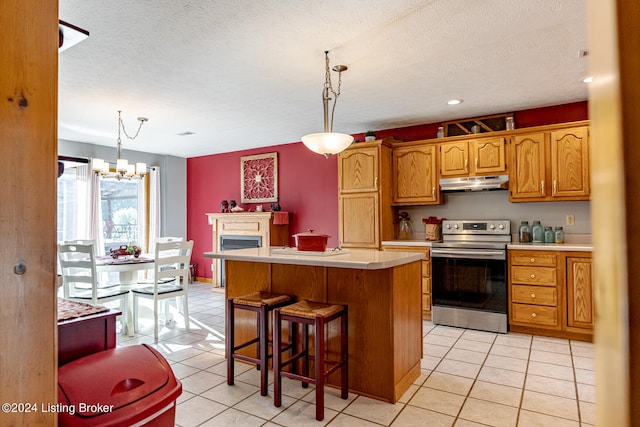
93	209
154	207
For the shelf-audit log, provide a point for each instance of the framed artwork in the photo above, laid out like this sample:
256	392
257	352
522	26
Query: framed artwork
259	178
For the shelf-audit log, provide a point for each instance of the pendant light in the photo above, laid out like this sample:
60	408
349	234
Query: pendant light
328	142
124	170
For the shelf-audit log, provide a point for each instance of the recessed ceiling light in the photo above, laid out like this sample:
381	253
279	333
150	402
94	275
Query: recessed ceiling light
454	101
587	79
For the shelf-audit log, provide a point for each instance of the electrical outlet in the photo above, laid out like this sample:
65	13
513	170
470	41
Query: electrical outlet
571	220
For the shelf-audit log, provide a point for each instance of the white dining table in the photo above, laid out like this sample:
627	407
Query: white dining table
128	268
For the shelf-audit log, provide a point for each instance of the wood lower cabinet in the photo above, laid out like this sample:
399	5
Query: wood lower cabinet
415	175
365	214
534	290
580	306
550	165
425	274
550	293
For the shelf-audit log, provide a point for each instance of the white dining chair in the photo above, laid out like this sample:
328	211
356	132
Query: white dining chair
80	279
171	262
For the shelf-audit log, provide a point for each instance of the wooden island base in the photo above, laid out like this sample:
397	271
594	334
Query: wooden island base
385	318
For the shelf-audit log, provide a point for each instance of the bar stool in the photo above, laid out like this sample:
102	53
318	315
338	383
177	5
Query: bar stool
262	303
316	315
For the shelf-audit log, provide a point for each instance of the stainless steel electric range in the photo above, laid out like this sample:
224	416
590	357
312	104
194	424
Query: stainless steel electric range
469	274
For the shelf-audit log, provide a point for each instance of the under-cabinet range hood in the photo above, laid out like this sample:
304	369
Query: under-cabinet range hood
475	183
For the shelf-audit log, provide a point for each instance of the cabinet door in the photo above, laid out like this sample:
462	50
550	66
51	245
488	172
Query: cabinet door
454	158
358	170
570	163
415	175
580	309
426	275
358	220
527	167
488	155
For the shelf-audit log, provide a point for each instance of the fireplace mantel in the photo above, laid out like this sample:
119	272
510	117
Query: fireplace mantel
244	224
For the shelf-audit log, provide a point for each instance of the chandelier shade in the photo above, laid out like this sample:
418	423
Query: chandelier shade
123	170
328	142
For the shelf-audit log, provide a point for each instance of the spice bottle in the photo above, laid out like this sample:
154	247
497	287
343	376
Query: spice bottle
537	232
559	235
525	232
549	235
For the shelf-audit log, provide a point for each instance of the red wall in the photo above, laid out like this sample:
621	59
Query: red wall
307	188
307	182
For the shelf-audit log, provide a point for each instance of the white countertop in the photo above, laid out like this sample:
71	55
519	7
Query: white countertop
416	242
578	247
355	258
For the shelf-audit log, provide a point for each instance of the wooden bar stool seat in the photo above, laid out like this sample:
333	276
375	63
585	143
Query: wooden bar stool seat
262	303
316	315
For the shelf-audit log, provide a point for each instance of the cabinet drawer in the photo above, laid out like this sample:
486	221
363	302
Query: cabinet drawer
531	258
535	314
540	295
426	267
426	285
533	276
426	302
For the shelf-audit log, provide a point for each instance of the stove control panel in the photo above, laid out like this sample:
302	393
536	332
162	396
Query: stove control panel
484	226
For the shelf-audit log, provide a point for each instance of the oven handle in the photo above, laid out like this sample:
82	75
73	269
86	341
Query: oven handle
475	254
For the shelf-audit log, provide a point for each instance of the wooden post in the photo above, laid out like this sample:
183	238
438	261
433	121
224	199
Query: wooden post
28	170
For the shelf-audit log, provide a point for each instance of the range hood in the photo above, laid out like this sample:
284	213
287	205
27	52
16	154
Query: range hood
475	183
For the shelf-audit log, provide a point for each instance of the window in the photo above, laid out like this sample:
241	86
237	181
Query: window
72	191
123	212
123	217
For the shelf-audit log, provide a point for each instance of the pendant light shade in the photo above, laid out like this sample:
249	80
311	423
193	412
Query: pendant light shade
328	142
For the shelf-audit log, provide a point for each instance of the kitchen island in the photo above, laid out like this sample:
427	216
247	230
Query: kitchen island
382	290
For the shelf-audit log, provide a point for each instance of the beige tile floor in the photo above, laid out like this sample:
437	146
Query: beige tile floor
469	378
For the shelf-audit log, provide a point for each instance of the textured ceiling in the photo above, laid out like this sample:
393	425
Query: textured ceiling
243	73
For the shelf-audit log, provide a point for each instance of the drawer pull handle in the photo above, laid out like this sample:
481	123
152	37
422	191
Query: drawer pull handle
533	276
533	295
532	260
534	315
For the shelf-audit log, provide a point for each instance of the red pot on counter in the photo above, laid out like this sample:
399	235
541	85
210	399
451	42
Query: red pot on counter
311	241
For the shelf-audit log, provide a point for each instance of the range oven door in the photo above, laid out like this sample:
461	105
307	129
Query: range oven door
474	279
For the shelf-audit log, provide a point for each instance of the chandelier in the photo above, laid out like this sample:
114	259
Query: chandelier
328	142
123	170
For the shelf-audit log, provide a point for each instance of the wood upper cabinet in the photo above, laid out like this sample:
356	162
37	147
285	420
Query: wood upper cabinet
527	175
580	307
570	162
549	166
359	220
365	214
479	156
488	155
454	158
415	175
358	170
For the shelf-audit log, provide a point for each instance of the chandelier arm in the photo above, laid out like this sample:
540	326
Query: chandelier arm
121	125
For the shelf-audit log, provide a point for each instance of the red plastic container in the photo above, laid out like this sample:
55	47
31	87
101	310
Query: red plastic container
123	386
311	241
